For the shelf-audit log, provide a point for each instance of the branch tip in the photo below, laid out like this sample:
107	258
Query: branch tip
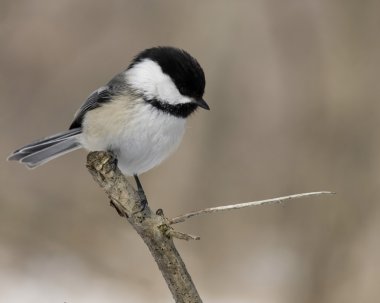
182	218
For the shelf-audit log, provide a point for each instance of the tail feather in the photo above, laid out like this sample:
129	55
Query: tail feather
42	151
49	140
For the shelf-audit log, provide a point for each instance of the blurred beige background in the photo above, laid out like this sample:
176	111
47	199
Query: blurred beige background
293	88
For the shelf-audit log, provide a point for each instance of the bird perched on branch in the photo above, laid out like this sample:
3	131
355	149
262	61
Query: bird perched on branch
139	116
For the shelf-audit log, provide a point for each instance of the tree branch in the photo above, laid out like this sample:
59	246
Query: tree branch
182	218
154	228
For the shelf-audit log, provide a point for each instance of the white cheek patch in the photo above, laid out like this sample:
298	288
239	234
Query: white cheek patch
147	77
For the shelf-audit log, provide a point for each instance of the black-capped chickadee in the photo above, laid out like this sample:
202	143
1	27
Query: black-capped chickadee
140	115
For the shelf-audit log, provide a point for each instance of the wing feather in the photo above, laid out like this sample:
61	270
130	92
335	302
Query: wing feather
96	99
102	95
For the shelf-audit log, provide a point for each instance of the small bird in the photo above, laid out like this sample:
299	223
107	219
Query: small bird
139	116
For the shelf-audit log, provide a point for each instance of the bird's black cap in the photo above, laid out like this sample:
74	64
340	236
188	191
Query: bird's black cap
180	66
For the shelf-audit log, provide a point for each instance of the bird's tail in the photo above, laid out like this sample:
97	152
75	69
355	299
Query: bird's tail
42	151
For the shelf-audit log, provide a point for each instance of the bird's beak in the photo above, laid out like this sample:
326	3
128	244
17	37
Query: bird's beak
202	103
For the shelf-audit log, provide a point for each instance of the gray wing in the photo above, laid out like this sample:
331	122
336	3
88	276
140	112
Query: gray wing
102	95
96	99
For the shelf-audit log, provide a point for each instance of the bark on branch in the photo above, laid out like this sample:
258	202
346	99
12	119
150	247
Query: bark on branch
154	228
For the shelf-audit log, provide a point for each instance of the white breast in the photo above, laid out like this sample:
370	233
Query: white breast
140	135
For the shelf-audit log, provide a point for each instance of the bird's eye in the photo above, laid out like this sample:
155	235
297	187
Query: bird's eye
181	89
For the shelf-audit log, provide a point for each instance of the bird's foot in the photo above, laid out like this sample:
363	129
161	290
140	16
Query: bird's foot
104	162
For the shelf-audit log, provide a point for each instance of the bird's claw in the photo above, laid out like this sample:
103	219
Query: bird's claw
106	163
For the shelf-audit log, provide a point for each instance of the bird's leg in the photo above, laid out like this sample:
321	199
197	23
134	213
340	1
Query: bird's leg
141	193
